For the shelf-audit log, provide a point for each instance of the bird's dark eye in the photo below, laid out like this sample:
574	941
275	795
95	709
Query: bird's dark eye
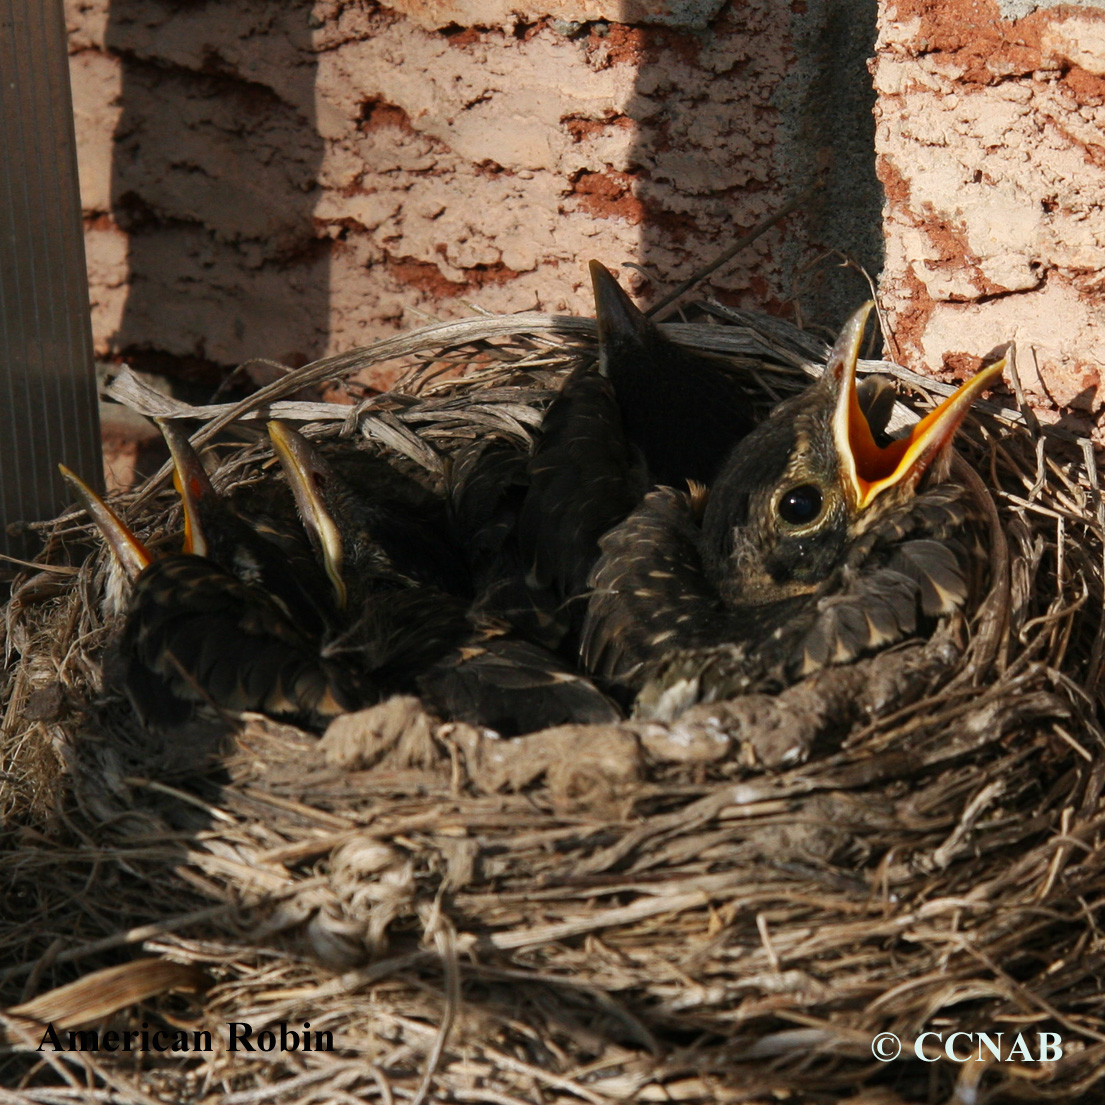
800	505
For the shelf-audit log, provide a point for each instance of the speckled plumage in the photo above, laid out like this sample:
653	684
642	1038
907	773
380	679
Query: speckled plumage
650	413
758	600
198	639
408	630
196	635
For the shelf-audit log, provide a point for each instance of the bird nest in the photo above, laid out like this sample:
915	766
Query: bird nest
729	907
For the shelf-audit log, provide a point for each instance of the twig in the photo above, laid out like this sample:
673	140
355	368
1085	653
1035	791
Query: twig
727	255
120	939
445	939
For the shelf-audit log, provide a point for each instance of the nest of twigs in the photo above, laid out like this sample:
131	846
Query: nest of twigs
730	907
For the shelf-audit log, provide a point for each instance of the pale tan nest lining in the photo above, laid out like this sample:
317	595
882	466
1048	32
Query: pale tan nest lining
683	913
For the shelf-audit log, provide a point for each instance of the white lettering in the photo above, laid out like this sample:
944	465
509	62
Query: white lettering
949	1050
1051	1047
994	1048
919	1044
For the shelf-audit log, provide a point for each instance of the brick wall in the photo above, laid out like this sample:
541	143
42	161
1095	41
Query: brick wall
263	178
991	148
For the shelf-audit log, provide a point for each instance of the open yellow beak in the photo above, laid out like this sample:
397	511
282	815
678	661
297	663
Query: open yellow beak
304	469
132	555
867	468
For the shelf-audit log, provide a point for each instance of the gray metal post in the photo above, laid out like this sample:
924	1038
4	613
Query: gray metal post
48	403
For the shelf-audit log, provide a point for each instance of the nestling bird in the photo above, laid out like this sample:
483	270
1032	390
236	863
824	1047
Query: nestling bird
197	636
487	486
652	413
407	629
373	527
684	411
814	546
255	548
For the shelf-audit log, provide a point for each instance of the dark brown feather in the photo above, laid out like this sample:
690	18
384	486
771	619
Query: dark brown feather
512	686
684	411
198	636
584	479
488	486
649	595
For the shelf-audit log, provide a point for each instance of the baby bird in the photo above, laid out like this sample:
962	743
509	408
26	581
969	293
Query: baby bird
814	546
406	627
651	413
196	636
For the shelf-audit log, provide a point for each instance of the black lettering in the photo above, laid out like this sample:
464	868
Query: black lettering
84	1041
240	1037
51	1035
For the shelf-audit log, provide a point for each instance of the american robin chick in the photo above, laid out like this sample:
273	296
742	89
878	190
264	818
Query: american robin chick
196	636
487	486
684	411
584	478
373	527
651	413
815	545
412	634
255	548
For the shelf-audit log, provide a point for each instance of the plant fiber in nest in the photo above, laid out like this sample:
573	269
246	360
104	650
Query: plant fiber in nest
725	908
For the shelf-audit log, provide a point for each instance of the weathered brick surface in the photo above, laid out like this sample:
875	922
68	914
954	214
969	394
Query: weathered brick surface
265	178
991	150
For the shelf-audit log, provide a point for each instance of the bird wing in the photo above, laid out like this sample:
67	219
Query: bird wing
512	686
649	595
197	635
583	480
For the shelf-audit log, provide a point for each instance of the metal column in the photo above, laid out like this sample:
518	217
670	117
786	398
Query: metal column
48	402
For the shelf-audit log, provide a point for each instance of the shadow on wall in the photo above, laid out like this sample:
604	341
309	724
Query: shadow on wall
214	179
784	96
218	159
827	113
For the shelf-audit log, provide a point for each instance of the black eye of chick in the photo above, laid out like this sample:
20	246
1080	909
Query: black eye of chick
800	505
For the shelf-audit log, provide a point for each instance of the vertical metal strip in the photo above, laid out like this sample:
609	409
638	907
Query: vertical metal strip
48	402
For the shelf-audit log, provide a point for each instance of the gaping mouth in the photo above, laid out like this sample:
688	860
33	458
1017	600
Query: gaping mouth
870	469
